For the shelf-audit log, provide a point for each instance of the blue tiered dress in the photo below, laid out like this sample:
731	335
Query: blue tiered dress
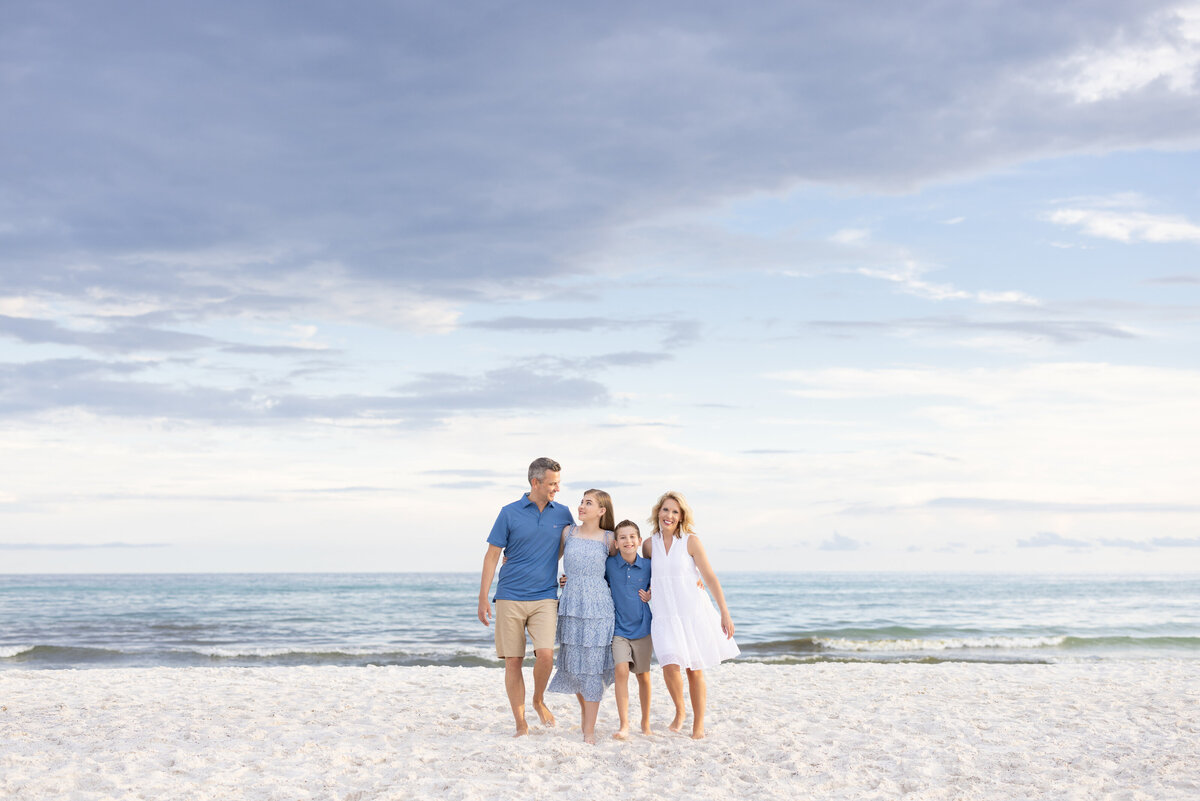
585	620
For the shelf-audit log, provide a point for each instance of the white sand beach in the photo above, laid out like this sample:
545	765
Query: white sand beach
1116	730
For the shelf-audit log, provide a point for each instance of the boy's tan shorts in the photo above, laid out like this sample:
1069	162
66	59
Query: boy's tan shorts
635	651
514	617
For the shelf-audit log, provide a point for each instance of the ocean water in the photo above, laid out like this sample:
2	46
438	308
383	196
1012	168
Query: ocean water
89	621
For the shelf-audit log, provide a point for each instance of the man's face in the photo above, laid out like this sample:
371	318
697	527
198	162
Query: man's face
628	540
546	489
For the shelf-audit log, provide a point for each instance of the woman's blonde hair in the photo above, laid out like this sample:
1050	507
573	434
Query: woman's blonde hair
607	522
686	516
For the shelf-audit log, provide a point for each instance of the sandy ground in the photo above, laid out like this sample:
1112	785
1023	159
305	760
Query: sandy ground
829	731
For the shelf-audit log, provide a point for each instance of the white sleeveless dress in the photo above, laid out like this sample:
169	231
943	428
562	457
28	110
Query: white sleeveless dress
685	626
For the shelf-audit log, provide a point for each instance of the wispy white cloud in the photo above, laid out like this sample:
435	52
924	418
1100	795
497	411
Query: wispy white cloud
1128	226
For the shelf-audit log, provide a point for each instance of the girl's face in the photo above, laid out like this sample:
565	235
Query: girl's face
590	508
669	516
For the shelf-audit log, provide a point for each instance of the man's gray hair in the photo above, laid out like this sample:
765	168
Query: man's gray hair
539	467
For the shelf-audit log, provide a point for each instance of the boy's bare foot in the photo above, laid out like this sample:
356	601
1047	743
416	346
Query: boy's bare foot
622	734
544	714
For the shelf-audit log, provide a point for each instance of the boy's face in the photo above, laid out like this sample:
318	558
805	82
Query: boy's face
628	541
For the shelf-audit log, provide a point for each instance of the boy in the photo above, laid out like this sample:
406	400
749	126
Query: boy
628	574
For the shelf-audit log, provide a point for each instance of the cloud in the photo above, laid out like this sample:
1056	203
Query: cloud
676	333
1048	539
1100	507
1176	542
1057	331
839	542
1024	506
105	389
430	154
77	546
1128	226
123	338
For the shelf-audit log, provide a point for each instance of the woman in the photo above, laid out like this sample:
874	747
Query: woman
686	631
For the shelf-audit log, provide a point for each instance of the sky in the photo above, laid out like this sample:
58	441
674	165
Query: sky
306	286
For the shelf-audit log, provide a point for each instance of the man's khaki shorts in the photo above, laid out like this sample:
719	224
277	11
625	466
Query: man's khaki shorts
514	617
635	651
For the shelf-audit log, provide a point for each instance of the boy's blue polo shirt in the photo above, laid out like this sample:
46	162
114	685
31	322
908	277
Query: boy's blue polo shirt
530	540
625	579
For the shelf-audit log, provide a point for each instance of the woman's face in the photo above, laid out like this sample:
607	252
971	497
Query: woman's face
669	516
590	508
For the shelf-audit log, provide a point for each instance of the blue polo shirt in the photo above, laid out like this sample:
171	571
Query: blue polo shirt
625	579
530	540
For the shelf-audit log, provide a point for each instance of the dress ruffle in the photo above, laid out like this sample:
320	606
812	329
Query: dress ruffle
585	622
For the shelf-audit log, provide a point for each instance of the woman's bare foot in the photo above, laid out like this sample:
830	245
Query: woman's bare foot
522	730
544	714
646	729
676	724
697	734
589	738
622	733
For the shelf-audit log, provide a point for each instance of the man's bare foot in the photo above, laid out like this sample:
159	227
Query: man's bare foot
544	714
622	734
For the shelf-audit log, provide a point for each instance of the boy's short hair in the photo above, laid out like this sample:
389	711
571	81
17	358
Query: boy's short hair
629	523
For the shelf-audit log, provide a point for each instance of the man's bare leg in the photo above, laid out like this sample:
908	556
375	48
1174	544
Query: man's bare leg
514	684
621	691
698	690
673	678
543	666
643	680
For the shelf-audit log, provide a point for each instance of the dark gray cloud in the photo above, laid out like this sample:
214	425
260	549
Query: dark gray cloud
840	542
1058	331
110	389
675	333
1048	539
1019	506
185	154
77	546
124	338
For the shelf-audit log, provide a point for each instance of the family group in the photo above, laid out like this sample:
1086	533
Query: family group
622	599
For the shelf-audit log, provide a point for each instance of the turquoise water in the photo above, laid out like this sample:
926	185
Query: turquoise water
80	621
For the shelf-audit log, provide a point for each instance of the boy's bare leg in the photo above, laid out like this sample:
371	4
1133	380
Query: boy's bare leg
543	666
621	691
643	680
514	684
674	681
698	690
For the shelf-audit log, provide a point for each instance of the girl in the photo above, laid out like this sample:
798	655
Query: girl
585	610
685	629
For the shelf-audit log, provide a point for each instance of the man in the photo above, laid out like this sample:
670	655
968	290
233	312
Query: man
528	532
